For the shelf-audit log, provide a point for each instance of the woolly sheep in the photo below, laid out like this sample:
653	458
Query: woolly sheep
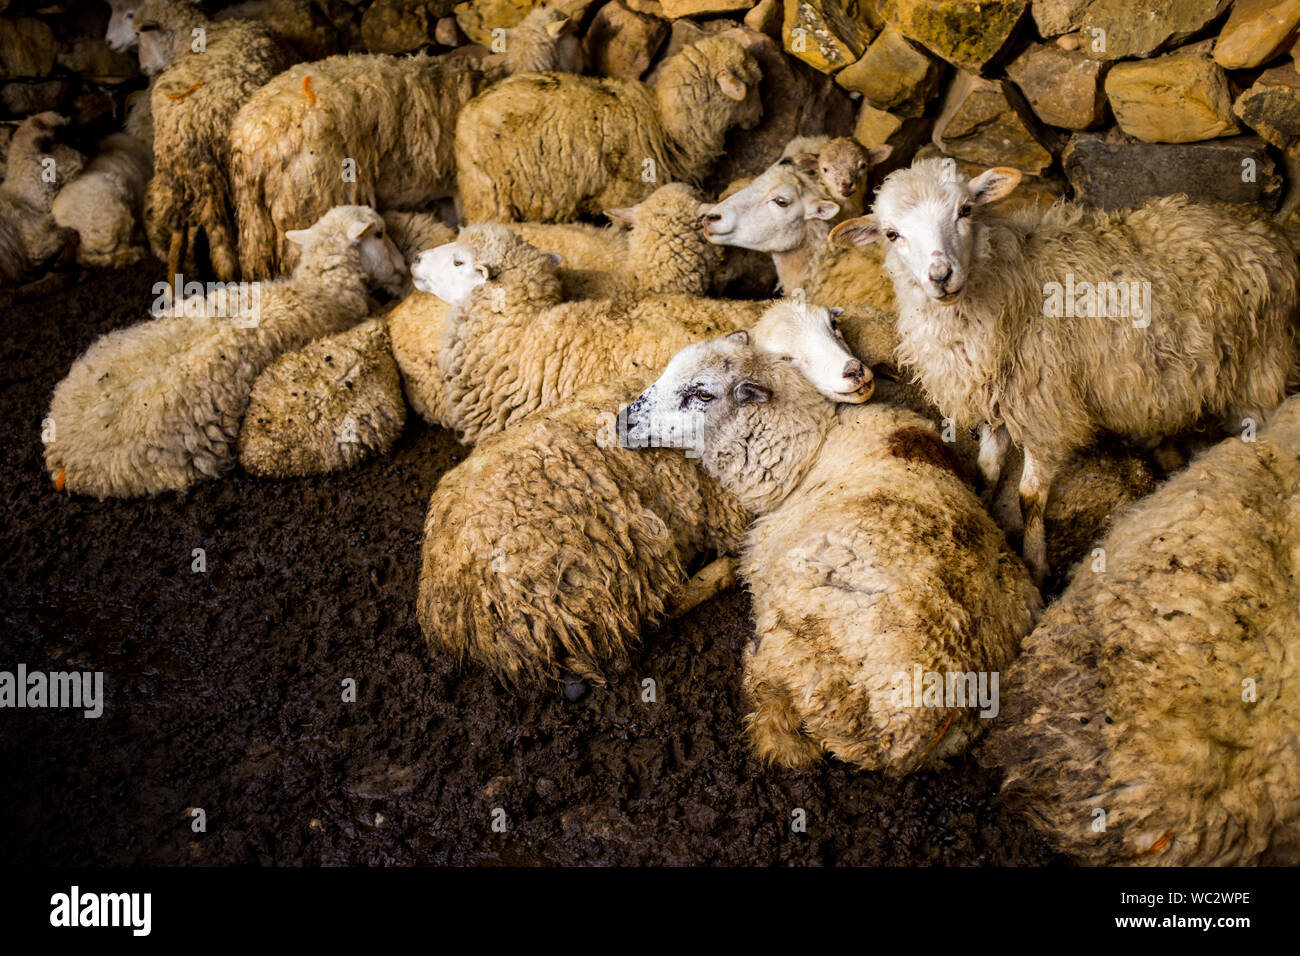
550	148
104	205
550	549
978	325
371	129
193	101
782	213
325	407
413	232
1163	688
510	344
870	559
36	167
540	553
157	406
300	23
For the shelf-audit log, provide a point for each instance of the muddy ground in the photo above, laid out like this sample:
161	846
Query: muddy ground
224	688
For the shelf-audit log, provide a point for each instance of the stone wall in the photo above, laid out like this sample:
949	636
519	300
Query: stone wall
1109	101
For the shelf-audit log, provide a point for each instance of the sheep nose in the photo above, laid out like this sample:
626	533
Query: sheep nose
854	370
940	273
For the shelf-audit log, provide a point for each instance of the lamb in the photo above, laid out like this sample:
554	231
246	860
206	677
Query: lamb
782	213
840	166
36	167
1154	715
551	548
104	205
872	566
193	101
157	406
301	23
510	344
1205	332
551	148
370	129
325	407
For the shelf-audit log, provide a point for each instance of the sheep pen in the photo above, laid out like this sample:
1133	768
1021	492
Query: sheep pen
370	578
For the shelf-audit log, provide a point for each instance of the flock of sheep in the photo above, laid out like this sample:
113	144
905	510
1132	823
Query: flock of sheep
1149	714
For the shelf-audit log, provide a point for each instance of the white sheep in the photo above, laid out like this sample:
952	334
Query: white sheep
1160	695
781	212
876	575
551	548
157	406
550	148
1048	327
301	23
511	345
104	205
36	168
371	129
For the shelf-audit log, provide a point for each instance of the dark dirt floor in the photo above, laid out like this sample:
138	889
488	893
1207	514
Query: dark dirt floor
224	688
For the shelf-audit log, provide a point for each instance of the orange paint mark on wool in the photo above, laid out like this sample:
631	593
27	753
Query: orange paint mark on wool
306	88
181	96
951	714
60	479
1159	844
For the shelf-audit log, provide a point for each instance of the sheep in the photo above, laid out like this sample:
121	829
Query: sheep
511	345
325	407
157	406
302	24
413	232
370	129
983	324
782	213
551	548
551	148
415	327
1160	695
840	166
194	97
36	167
104	205
870	561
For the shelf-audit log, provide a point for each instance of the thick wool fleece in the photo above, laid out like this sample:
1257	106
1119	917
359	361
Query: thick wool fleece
552	549
515	347
157	406
1165	690
29	234
552	148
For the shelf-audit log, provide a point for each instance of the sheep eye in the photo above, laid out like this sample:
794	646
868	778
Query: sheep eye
862	165
705	397
379	233
457	262
891	235
781	201
964	211
787	358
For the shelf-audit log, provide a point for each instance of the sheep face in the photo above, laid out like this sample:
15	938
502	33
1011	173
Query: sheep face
768	215
697	393
360	231
121	26
924	214
451	272
808	337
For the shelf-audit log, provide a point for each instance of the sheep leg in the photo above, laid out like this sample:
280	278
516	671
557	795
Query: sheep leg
1035	485
176	253
994	443
711	579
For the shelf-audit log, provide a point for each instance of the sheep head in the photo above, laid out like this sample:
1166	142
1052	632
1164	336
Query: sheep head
712	83
926	215
771	214
754	420
164	31
808	337
121	25
488	261
356	233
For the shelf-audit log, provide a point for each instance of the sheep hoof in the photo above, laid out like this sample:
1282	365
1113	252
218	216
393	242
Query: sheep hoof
708	582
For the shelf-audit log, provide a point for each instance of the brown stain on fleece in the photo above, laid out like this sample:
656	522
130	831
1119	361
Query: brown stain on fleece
913	443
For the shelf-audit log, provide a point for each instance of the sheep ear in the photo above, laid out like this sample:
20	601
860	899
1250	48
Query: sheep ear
740	337
750	393
357	230
822	209
557	27
948	169
879	154
806	161
297	236
626	214
483	271
855	232
993	184
732	86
